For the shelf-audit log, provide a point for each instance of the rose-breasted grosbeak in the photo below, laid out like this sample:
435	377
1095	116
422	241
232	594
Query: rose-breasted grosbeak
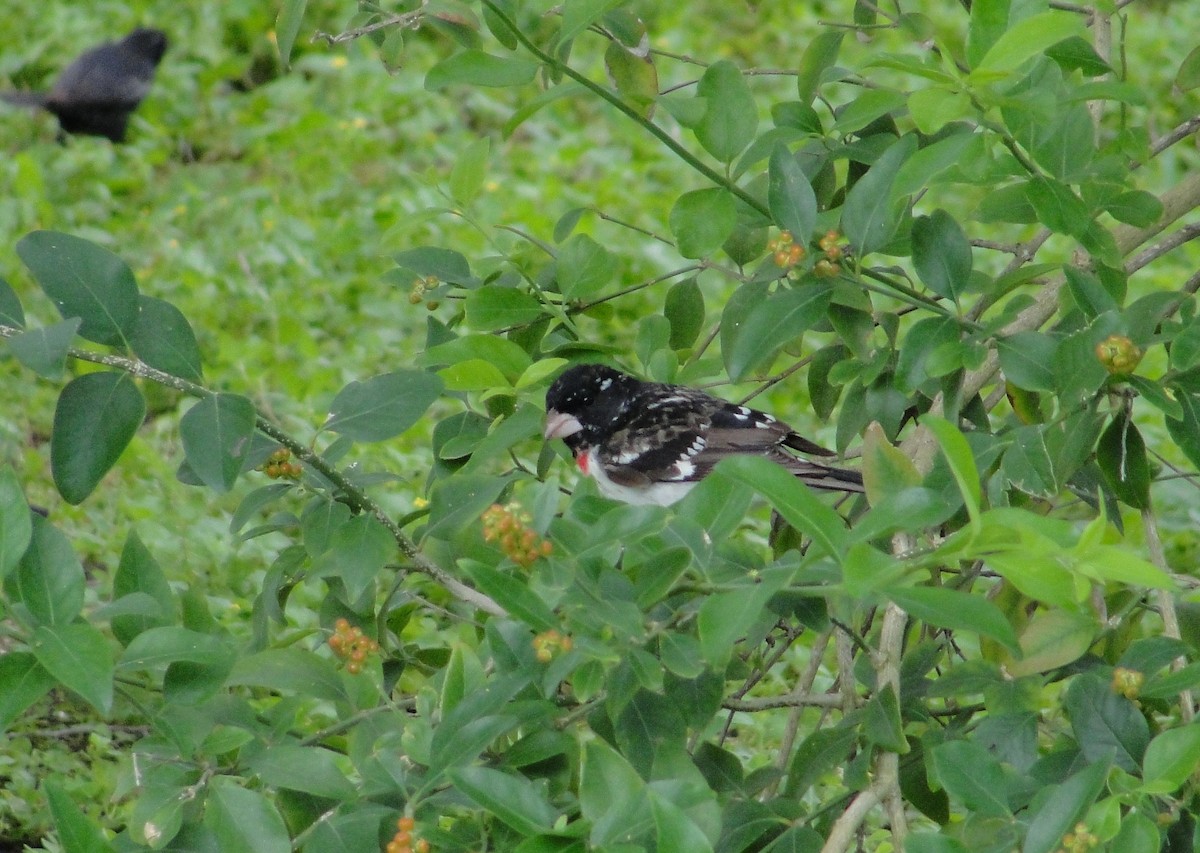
650	443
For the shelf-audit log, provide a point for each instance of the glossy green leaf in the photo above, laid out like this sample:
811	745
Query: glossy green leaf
1053	638
514	595
871	215
1171	758
684	310
1088	292
514	800
476	68
1058	207
164	339
1027	359
287	27
1188	75
881	721
470	168
78	656
675	829
23	681
216	434
789	195
958	455
11	312
970	774
310	769
611	796
820	54
941	253
49	579
458	501
635	76
444	265
1107	726
291	670
1121	455
76	833
44	350
1186	430
97	416
702	220
383	406
157	647
730	115
139	572
778	320
1067	803
583	267
820	753
505	355
1136	207
244	821
1026	40
16	523
960	611
935	107
490	309
85	281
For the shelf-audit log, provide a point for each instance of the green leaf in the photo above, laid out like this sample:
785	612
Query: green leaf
492	308
515	800
1053	638
635	76
1186	430
819	753
583	267
442	264
139	573
470	168
287	27
216	434
797	503
726	616
474	374
821	54
779	319
868	106
881	721
611	796
941	253
789	195
1105	723
164	339
870	215
1188	75
1066	805
77	655
948	608
731	116
1089	293
476	68
675	829
310	769
969	773
457	501
23	681
1077	54
242	820
157	647
291	670
1121	455
935	107
359	549
97	416
1026	40
44	350
513	594
684	310
1058	207
1171	758
84	281
1136	207
578	15
1027	359
702	220
76	833
49	579
383	406
11	313
16	523
958	455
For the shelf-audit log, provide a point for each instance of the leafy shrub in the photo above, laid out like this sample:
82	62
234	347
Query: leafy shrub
941	228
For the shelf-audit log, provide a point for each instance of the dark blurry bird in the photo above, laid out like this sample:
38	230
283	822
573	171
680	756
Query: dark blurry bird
96	93
650	443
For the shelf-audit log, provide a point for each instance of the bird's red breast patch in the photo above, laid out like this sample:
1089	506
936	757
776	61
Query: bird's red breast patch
582	461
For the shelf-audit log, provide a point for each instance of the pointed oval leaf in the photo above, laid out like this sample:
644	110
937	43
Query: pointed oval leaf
948	608
870	215
702	220
310	769
777	320
164	339
583	266
1171	758
790	196
1027	359
244	821
96	418
16	522
76	833
383	406
731	116
85	281
941	253
78	656
44	351
1121	455
216	434
23	681
513	799
1067	803
476	68
49	579
11	313
1027	39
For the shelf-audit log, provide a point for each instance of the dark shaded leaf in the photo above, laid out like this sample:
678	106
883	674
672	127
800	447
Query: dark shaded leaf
216	435
383	406
96	418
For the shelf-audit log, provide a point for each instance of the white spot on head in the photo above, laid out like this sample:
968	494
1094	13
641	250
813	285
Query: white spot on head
605	384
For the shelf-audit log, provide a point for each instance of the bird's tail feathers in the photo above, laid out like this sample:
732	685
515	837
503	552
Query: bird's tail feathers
828	479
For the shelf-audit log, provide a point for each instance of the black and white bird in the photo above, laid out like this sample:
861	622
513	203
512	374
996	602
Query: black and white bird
650	443
97	92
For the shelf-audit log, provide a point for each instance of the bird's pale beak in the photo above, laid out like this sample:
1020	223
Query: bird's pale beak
559	425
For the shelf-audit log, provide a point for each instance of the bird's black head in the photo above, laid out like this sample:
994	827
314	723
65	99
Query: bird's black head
587	401
147	42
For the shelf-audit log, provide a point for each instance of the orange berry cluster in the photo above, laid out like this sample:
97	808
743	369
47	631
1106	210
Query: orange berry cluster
787	251
1079	841
279	466
351	645
1127	682
509	526
547	643
420	286
828	266
402	841
1118	354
